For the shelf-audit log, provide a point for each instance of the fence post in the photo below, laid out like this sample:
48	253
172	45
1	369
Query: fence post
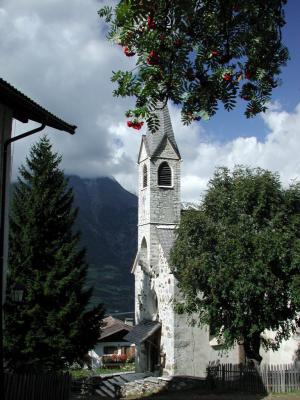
223	375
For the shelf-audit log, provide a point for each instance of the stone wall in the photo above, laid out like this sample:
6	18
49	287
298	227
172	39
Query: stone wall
151	385
164	287
288	352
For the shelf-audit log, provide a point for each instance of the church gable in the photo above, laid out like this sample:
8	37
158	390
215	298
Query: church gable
143	153
166	149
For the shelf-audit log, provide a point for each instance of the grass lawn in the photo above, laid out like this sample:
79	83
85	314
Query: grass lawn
84	373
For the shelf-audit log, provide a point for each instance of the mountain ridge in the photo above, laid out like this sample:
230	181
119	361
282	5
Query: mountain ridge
107	220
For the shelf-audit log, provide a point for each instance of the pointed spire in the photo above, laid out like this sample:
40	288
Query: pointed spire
165	130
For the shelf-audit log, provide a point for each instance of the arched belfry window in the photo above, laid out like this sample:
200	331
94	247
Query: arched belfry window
145	176
164	175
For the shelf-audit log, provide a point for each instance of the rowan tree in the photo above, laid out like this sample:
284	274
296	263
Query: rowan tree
52	327
199	54
237	259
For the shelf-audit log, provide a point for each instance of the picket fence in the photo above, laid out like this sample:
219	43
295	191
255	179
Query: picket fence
37	387
266	378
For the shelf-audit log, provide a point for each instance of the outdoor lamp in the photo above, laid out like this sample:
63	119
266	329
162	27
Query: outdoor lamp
17	292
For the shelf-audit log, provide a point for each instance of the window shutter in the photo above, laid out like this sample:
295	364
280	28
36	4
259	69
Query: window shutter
164	175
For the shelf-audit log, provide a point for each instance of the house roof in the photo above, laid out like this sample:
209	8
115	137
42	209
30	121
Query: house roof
143	331
25	109
113	325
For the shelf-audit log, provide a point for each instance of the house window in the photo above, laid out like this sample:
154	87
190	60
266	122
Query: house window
164	175
145	176
110	350
129	351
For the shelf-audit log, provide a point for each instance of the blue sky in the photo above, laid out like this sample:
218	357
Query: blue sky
288	94
55	51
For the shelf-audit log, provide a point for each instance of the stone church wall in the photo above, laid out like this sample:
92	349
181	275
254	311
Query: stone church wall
188	350
164	286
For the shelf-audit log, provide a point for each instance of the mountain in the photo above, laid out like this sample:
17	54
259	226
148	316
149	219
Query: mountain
107	219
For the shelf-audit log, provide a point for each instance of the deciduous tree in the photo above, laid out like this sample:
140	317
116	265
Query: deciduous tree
198	54
237	258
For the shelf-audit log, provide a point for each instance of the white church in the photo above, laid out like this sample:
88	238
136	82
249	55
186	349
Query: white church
165	342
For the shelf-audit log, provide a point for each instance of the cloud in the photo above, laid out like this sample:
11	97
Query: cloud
279	152
57	54
55	51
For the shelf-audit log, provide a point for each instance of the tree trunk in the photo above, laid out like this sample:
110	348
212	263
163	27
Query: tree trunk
252	347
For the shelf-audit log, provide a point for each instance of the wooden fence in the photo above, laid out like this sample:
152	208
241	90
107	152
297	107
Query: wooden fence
266	378
37	387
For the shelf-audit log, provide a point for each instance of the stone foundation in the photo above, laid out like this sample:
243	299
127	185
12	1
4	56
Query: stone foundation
151	385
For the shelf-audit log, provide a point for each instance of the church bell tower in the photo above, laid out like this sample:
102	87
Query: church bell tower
159	163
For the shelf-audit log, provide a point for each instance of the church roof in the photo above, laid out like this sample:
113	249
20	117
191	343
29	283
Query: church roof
142	331
154	140
166	237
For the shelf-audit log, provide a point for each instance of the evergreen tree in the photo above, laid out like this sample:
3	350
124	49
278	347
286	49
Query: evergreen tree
52	327
237	259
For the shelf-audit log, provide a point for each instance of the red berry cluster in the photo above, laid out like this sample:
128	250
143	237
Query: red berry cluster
150	22
214	53
127	52
153	58
135	124
227	77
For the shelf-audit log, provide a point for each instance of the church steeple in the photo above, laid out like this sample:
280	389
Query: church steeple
159	176
165	130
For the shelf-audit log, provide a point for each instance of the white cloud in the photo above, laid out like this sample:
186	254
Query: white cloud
279	152
56	52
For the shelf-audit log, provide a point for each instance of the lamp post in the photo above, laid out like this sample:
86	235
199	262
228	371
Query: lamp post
17	292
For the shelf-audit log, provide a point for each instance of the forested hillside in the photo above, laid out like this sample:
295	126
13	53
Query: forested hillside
107	219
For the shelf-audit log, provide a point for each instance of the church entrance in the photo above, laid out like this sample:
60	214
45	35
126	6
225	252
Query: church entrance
153	352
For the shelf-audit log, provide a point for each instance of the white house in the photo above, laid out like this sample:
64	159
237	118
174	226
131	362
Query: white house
112	341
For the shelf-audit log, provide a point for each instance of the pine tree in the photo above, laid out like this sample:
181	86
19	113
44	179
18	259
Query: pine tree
52	327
